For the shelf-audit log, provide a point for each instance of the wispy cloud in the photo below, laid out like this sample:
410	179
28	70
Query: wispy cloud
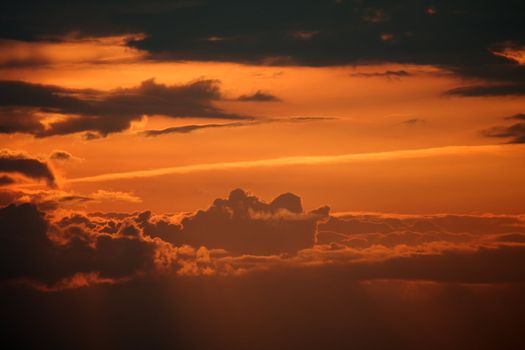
297	160
189	128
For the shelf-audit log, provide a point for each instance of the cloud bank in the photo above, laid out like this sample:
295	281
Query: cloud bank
244	234
316	33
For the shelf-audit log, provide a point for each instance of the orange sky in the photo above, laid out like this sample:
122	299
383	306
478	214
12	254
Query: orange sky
321	174
358	114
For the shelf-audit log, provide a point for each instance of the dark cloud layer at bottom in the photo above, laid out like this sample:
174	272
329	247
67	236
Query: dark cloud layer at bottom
306	309
139	281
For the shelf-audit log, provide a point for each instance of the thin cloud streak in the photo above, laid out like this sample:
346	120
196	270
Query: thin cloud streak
296	160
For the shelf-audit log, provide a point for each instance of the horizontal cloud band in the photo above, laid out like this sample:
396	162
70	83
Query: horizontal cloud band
298	160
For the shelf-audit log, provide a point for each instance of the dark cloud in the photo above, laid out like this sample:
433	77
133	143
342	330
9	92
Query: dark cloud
48	200
413	121
100	113
243	224
519	116
455	224
457	35
488	90
13	120
6	180
365	281
186	129
19	163
387	74
243	234
29	252
514	132
61	155
485	265
300	308
259	96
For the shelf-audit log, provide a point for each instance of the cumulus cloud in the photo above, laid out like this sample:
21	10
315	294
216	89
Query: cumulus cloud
243	234
28	251
22	164
243	224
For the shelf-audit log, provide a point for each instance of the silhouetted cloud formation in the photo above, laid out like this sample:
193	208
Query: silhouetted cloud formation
20	163
387	74
100	113
243	234
6	180
514	132
29	252
243	224
253	268
461	36
259	96
103	272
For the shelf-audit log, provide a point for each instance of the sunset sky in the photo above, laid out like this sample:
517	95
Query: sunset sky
360	161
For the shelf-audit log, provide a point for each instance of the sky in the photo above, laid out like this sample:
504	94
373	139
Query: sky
262	174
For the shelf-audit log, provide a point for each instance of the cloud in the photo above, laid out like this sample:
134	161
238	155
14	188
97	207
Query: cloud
115	195
243	224
186	129
413	122
61	155
514	132
242	235
99	113
488	90
483	265
13	120
6	180
390	74
28	252
290	309
259	96
20	163
52	199
327	33
291	161
519	116
51	52
77	250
